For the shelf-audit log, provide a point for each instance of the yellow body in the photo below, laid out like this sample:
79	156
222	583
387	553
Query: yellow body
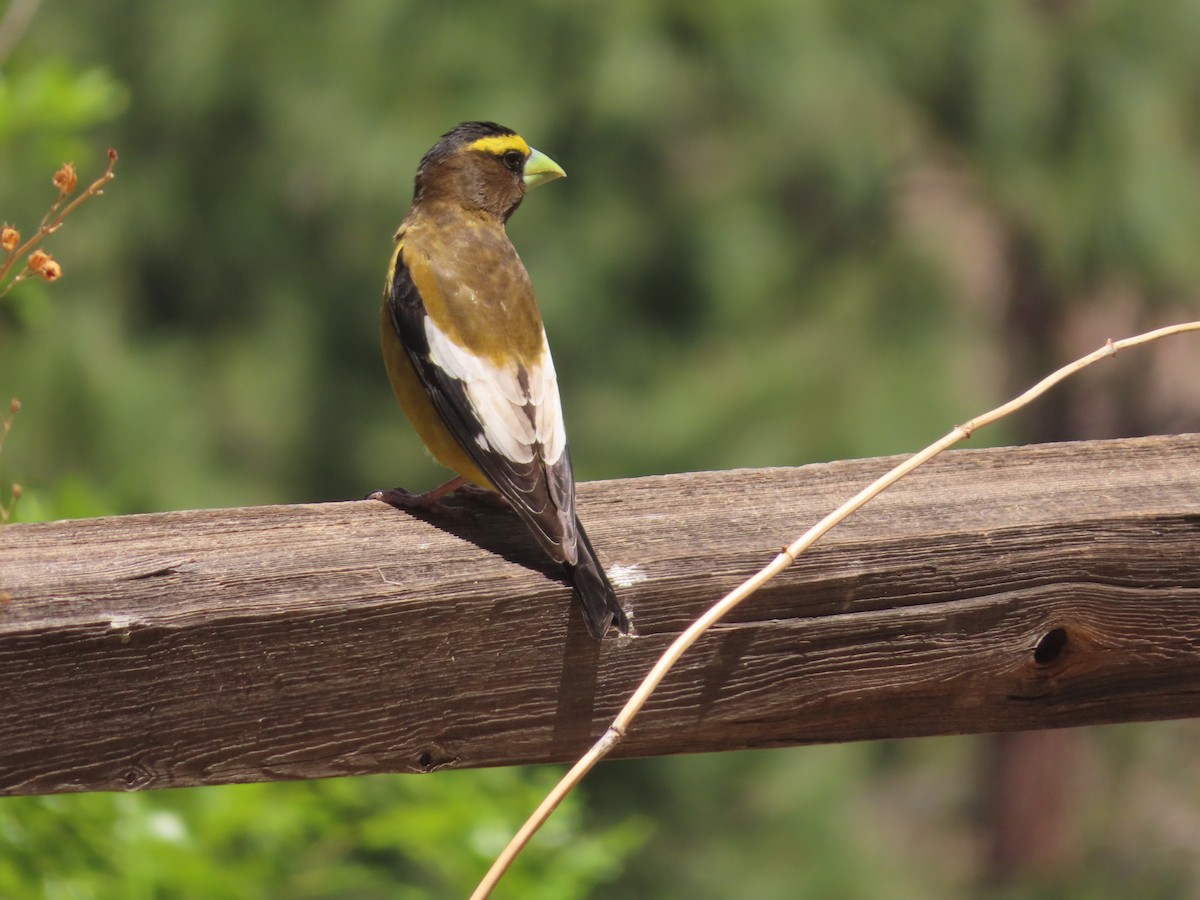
466	352
414	400
478	295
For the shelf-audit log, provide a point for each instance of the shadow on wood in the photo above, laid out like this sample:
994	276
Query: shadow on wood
994	590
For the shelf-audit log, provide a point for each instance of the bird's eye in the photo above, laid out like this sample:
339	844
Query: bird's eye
514	160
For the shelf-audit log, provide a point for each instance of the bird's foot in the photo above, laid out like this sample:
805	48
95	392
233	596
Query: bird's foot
402	499
431	501
427	502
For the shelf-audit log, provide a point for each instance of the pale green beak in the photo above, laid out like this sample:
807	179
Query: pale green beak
540	168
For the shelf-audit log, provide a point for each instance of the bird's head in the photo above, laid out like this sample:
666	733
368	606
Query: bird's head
485	166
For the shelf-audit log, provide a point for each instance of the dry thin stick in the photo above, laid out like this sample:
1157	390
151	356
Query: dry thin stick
14	492
12	26
620	725
50	222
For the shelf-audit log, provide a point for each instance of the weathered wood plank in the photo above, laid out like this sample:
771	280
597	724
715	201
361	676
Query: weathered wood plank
999	589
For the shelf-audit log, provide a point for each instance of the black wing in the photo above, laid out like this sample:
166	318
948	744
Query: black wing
542	494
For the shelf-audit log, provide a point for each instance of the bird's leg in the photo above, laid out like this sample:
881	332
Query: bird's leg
483	495
430	500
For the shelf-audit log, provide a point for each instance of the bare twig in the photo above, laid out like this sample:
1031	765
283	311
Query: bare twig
620	725
14	492
40	262
14	23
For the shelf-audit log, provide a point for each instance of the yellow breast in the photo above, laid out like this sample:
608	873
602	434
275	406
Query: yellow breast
419	408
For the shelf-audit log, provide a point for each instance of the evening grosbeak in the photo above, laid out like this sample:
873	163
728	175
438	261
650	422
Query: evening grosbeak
466	351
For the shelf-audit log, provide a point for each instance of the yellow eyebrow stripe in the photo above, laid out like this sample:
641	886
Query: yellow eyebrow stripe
500	144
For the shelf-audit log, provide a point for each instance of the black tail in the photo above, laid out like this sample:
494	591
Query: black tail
600	606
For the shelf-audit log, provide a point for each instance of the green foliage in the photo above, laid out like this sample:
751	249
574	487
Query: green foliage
786	235
46	105
52	100
382	836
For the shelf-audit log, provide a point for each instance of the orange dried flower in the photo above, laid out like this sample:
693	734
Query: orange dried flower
43	263
14	407
9	238
65	179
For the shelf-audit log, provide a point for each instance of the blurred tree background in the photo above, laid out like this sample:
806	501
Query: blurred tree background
793	230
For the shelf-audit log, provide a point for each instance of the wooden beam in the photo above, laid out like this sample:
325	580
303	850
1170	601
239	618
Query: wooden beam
998	589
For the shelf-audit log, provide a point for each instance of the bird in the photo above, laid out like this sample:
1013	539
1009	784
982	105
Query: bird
466	352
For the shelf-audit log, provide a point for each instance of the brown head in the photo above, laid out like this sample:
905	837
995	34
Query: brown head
484	166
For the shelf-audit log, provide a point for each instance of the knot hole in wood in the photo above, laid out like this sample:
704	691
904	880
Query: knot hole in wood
1051	647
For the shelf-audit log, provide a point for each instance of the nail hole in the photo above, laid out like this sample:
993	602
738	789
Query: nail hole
1051	646
425	760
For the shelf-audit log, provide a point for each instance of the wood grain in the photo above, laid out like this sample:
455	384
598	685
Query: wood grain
995	590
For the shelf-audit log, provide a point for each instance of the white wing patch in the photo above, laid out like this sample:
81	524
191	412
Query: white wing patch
518	419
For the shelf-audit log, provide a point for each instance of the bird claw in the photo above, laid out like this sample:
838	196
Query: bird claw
431	501
401	499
